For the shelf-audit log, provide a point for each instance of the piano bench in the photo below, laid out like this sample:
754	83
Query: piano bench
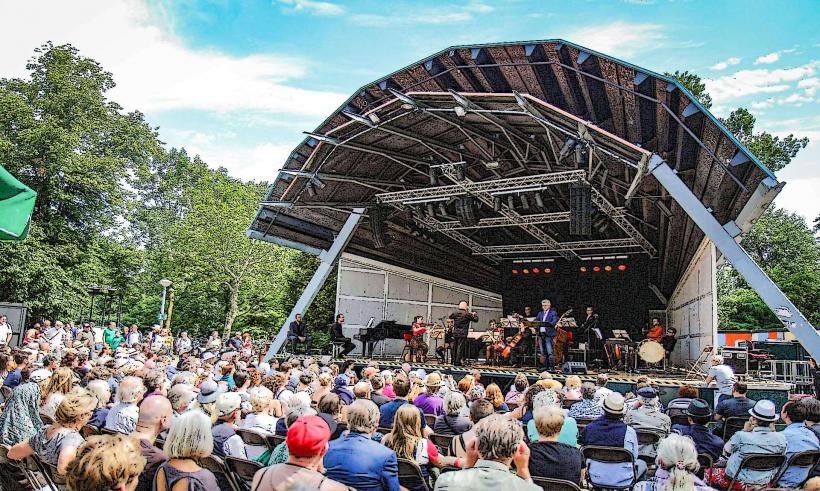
337	348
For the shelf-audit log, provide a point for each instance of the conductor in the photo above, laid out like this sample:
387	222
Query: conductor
461	327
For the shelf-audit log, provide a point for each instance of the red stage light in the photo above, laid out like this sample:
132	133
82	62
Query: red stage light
607	268
583	269
547	270
515	271
622	267
597	269
526	271
536	270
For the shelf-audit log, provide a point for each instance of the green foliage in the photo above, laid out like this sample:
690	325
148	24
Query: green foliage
116	208
693	84
774	152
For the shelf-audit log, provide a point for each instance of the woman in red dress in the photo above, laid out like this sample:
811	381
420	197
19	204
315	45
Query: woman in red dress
417	345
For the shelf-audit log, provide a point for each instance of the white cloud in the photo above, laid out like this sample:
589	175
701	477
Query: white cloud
314	7
619	38
758	81
811	85
452	14
153	69
243	161
766	59
725	63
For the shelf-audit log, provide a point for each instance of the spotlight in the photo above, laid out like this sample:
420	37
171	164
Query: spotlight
310	189
536	270
596	269
607	268
374	118
441	208
433	176
547	270
460	172
497	203
579	155
514	271
431	212
583	269
526	271
539	202
525	204
510	202
460	111
317	182
622	267
566	148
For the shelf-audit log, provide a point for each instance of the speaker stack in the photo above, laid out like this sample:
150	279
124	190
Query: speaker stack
580	210
378	227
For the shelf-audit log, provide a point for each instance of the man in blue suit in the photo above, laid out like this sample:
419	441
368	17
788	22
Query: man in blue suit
547	332
357	461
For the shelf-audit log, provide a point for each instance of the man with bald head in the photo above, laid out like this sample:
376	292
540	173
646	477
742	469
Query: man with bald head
461	327
155	417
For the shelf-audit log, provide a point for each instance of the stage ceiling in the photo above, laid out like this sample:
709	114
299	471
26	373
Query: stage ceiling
539	116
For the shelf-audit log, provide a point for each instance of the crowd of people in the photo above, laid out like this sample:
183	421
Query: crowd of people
132	411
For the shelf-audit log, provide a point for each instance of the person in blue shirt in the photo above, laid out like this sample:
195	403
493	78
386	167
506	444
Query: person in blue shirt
799	438
699	413
401	386
736	406
15	377
547	333
355	460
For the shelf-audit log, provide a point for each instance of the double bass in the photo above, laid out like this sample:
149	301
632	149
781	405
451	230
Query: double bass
563	338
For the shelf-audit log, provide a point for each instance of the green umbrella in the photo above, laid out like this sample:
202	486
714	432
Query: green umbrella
16	204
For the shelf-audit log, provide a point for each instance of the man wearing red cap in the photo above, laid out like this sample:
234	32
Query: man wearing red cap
307	443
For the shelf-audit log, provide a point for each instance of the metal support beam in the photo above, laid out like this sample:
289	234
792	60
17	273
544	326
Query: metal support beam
563	246
554	217
273	239
619	217
774	298
328	259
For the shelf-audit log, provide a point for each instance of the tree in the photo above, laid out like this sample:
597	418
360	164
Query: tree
694	85
773	151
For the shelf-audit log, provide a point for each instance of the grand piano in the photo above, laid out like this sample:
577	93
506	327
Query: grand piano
386	329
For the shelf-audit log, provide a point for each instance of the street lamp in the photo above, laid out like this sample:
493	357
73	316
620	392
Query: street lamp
93	290
164	283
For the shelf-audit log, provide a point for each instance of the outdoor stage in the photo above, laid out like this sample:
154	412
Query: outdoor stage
503	174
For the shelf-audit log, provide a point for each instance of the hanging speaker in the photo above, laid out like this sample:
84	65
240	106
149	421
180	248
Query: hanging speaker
466	211
378	227
580	210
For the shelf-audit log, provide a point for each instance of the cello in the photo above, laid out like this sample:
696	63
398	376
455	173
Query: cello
507	351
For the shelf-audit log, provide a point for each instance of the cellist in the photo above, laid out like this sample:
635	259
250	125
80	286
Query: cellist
496	344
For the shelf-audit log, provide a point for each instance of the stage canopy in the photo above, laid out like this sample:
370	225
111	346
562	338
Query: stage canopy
16	204
467	159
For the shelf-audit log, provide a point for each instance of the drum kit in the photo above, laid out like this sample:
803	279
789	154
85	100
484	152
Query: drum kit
624	354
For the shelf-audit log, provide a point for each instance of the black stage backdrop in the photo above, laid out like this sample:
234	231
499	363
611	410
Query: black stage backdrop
620	296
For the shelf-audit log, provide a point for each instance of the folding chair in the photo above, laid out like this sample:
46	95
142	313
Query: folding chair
609	455
431	419
732	425
25	473
54	479
242	470
385	429
274	440
443	443
759	462
551	484
646	437
803	460
89	430
706	461
219	469
567	403
47	420
254	438
410	475
106	431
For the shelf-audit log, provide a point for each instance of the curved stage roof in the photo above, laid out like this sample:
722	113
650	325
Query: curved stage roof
491	120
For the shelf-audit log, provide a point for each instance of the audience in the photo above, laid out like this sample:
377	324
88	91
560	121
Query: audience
21	417
686	394
799	438
374	467
106	463
479	410
401	386
572	388
601	390
377	395
548	456
341	389
429	401
102	391
58	385
677	462
155	417
516	393
330	410
123	415
698	413
736	406
588	408
569	430
610	431
453	422
498	443
307	444
646	415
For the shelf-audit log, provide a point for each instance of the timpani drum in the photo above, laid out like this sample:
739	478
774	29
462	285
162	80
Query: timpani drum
651	351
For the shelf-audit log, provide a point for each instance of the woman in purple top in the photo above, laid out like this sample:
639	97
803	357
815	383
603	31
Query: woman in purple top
429	402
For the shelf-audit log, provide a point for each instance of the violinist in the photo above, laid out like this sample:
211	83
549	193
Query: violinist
418	348
496	344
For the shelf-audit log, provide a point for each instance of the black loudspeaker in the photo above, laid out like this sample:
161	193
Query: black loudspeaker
737	358
574	367
580	210
378	227
466	211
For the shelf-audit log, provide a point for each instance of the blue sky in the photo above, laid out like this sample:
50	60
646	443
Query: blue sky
237	82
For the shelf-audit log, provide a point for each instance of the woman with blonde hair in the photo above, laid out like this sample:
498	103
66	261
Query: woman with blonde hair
325	385
408	441
106	463
493	394
262	417
677	461
60	384
57	444
189	440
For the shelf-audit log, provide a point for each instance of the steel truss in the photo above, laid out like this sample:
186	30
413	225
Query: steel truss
618	216
554	217
563	246
477	188
437	226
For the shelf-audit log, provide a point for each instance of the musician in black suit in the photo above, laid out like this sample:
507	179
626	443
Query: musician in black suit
589	324
337	335
298	333
461	327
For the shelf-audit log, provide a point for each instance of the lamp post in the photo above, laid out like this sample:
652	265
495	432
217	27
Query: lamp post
93	290
109	304
164	283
